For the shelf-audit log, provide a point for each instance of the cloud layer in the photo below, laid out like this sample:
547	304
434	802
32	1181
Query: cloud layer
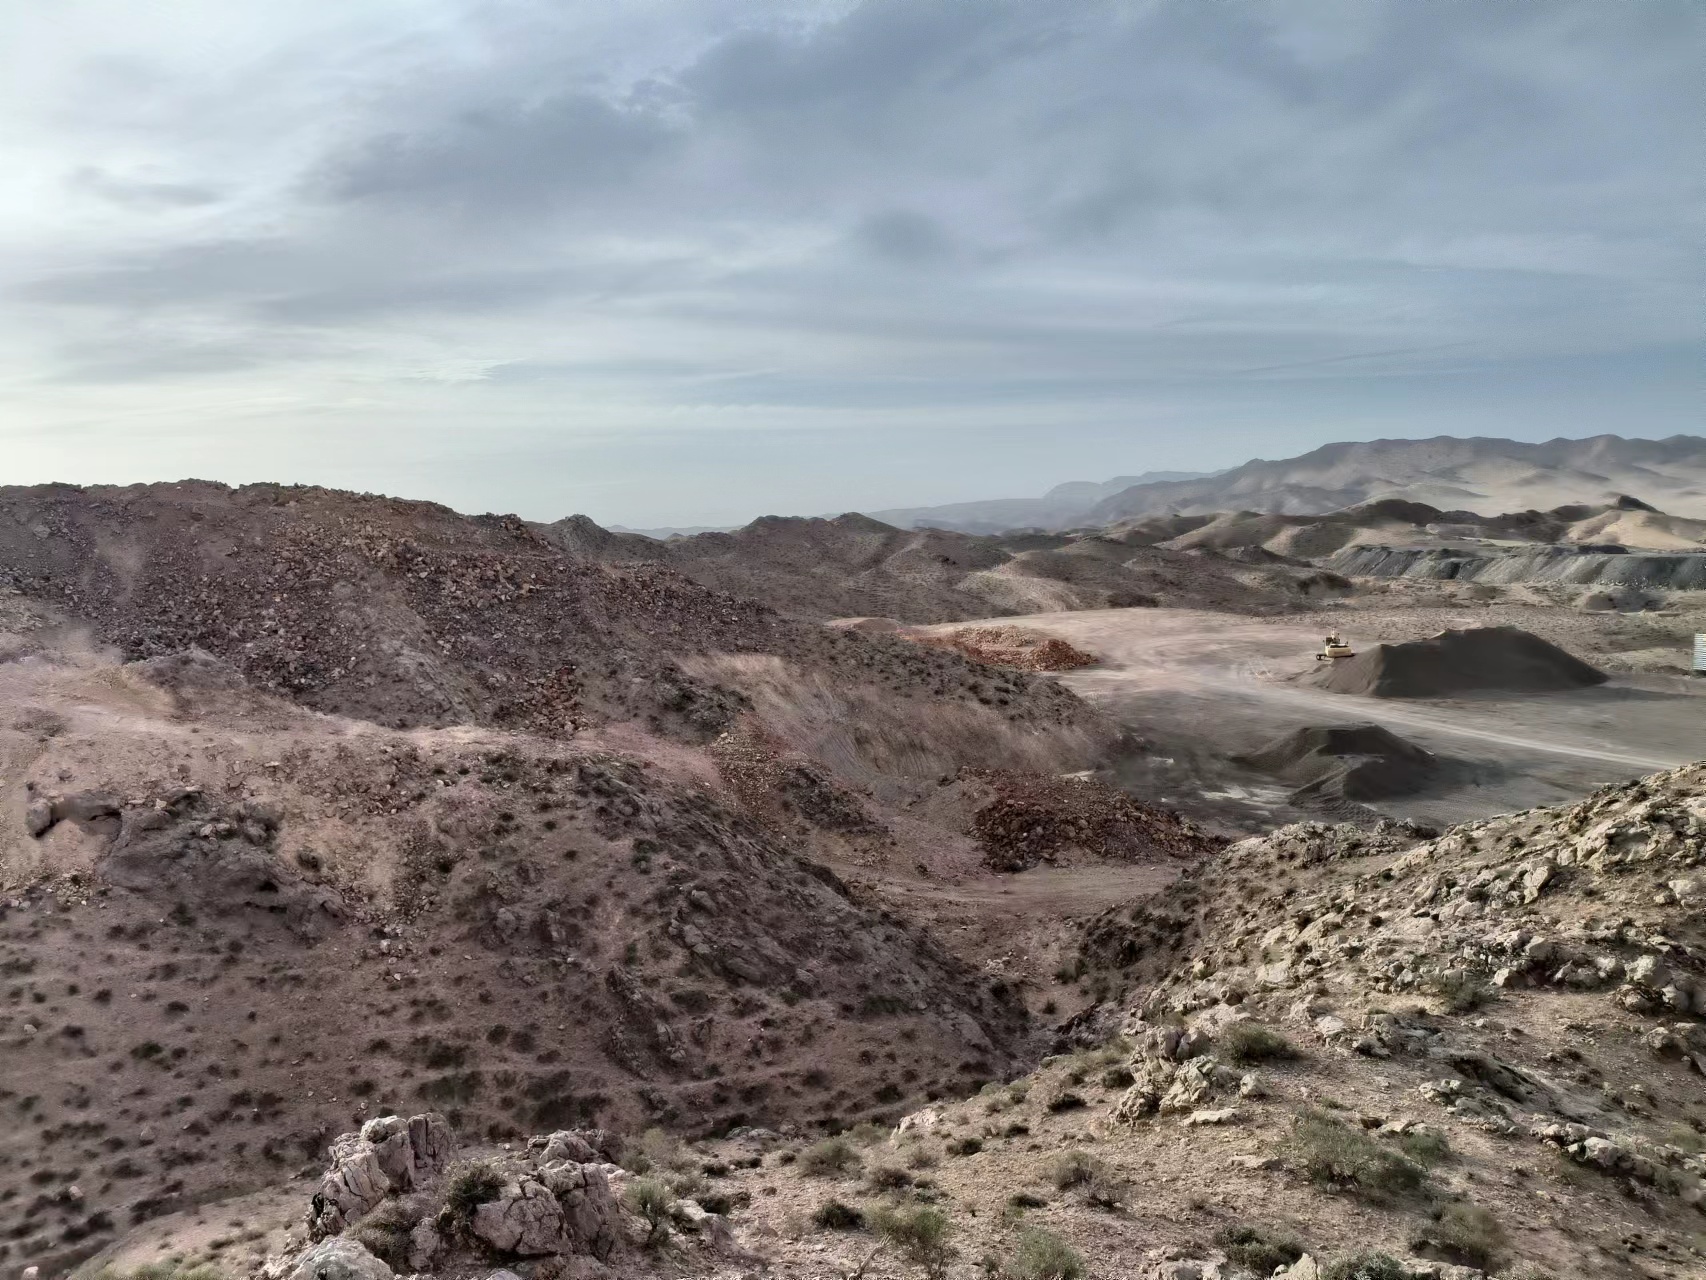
686	261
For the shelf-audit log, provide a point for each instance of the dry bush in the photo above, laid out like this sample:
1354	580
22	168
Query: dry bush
1331	1153
1045	1256
1247	1043
831	1158
868	738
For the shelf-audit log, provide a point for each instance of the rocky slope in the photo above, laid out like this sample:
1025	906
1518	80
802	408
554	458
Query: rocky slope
1333	1052
1345	1053
319	804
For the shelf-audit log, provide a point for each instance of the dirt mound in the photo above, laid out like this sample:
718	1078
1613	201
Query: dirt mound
1476	659
1031	818
1017	647
1350	762
408	614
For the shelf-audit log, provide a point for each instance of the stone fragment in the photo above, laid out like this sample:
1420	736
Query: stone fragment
340	1258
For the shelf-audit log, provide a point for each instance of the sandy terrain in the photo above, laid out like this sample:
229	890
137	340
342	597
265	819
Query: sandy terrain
1201	686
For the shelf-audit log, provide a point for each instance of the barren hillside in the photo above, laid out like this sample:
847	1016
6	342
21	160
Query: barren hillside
854	566
1477	474
1329	1052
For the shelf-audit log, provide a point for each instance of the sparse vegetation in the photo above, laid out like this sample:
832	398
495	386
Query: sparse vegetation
835	1215
469	1185
919	1236
656	1149
1331	1153
169	1270
385	1234
1365	1266
1107	1190
885	1177
651	1201
1469	1233
1427	1147
1259	1249
1043	1255
1074	1169
831	1158
1248	1043
1460	991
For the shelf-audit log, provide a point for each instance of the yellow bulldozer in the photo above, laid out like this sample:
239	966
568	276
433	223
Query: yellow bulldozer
1333	647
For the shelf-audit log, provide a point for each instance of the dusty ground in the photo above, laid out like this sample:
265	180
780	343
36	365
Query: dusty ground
1199	687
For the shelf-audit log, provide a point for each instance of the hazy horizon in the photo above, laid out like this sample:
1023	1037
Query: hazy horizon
685	262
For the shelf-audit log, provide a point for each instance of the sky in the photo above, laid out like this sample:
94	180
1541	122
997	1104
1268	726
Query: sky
680	262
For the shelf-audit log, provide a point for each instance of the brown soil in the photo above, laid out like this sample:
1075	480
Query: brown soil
1016	647
1029	818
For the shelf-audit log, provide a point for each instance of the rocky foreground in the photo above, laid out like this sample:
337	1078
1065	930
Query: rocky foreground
1346	1054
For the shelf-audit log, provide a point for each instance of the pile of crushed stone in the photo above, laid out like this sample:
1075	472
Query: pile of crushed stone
1476	659
1034	818
1018	647
1349	762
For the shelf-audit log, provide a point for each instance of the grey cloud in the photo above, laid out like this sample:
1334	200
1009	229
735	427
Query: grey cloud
505	155
676	210
141	193
905	236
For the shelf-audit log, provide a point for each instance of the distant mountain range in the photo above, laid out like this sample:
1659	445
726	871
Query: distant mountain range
1480	474
1059	508
1486	476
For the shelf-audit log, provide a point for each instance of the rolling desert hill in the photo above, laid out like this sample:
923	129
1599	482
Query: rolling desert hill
1625	522
854	566
318	805
1478	474
1059	508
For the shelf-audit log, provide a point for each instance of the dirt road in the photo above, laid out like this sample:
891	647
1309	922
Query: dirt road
1200	686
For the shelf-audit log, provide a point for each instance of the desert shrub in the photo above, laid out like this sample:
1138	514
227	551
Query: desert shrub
162	1271
689	1185
919	1236
1470	1233
1460	991
1366	1266
1074	1169
831	1158
1686	1138
836	1216
1331	1153
651	1200
469	1185
1427	1147
1247	1043
1107	1190
1045	1256
885	1177
866	1133
923	1159
1258	1249
656	1149
385	1234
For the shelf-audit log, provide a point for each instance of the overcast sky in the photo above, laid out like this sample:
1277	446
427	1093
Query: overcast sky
690	261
